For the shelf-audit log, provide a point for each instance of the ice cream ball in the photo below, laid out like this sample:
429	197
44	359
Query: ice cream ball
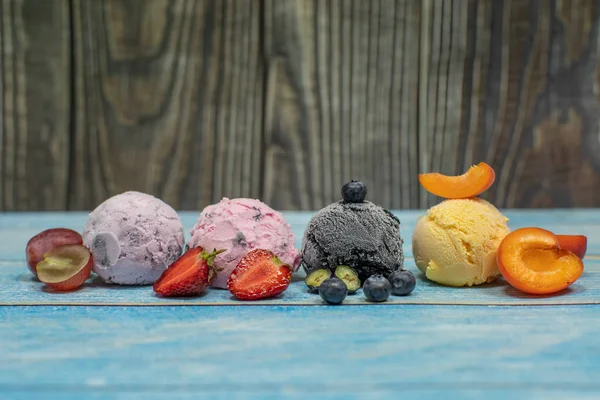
361	235
455	242
239	226
133	237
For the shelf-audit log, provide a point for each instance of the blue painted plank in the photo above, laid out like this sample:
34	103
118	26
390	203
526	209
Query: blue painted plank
17	228
195	393
287	352
290	352
19	287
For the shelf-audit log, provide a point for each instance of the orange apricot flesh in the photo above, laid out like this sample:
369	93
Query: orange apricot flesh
531	260
475	181
574	243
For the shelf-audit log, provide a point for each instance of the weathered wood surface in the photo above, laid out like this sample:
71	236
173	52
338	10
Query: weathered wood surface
282	351
20	288
420	352
341	95
514	83
284	100
168	100
35	104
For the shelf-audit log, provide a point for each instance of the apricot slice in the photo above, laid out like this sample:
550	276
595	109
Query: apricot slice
475	181
574	243
47	240
65	267
531	260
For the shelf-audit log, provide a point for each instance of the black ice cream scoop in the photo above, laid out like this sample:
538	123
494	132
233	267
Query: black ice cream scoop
361	235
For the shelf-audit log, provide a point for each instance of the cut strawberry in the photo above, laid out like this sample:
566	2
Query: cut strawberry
260	274
189	275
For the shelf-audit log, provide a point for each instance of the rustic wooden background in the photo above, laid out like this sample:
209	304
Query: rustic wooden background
284	100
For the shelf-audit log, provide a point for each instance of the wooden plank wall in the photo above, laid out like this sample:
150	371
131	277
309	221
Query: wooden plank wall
35	104
284	100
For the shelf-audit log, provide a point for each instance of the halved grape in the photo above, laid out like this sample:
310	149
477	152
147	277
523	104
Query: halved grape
46	241
66	267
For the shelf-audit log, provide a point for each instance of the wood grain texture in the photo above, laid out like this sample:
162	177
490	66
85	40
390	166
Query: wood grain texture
34	104
341	94
168	100
514	83
397	352
285	100
19	288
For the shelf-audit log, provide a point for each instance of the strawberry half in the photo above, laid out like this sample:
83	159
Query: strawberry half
260	274
189	275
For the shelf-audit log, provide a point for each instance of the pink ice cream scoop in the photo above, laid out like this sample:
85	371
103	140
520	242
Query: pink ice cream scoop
133	237
239	226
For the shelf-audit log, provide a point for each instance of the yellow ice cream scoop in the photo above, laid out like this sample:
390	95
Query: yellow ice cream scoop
455	242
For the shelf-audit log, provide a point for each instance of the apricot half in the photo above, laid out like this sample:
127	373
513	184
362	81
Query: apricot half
65	267
531	260
475	181
574	243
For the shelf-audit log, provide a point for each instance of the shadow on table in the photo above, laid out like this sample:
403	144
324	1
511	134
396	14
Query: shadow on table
512	292
423	280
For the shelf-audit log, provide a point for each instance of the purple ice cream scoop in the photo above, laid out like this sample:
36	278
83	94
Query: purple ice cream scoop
133	237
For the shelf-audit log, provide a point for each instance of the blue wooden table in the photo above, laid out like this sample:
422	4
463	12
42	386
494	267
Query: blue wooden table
106	342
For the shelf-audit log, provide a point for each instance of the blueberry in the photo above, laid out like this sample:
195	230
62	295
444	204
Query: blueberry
333	290
354	192
403	282
377	288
